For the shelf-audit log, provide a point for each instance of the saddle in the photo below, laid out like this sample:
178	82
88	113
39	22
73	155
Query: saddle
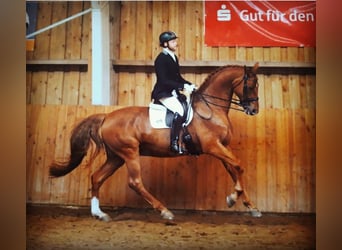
161	117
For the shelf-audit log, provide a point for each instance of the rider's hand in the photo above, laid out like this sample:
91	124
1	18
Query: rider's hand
189	87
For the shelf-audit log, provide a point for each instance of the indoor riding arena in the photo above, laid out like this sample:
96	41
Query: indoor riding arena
85	58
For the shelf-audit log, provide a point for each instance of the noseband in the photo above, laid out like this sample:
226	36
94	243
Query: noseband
242	103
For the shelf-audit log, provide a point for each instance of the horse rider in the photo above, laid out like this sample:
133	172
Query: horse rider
169	83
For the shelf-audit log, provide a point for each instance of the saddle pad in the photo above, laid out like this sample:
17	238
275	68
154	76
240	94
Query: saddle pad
157	115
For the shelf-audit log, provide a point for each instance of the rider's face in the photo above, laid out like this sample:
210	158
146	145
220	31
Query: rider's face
172	44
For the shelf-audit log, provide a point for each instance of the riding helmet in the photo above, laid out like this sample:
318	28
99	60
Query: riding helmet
166	36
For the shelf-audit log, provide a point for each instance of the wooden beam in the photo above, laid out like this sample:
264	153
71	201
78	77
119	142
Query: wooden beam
57	65
58	62
208	66
191	63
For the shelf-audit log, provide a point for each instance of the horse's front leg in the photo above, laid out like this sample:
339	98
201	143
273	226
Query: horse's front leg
236	172
232	165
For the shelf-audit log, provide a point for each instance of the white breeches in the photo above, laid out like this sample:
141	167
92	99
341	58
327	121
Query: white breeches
173	104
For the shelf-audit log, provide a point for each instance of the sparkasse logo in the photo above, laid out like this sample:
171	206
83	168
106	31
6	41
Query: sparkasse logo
224	14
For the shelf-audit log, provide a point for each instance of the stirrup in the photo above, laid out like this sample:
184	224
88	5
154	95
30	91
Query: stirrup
180	150
174	147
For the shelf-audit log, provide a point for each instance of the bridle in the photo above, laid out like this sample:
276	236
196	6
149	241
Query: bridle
241	103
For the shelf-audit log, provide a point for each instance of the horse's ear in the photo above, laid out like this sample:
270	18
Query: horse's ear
255	68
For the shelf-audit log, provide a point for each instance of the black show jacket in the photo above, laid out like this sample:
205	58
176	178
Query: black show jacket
168	76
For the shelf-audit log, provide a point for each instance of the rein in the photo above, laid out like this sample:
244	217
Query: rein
233	100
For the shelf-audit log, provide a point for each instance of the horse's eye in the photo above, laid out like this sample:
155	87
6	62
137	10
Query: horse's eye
254	84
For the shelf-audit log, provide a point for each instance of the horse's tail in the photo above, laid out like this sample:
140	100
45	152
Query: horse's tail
81	136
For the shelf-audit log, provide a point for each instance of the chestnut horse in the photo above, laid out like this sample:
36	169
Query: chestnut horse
126	133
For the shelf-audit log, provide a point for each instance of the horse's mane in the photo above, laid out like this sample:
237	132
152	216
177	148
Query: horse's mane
207	80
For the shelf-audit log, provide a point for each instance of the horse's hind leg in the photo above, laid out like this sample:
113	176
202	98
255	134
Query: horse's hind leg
112	164
135	182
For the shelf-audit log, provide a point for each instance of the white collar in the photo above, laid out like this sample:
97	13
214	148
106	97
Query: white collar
171	53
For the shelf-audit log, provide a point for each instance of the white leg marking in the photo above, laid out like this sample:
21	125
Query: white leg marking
234	196
95	208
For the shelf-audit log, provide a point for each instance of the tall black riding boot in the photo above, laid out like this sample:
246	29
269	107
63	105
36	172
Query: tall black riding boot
175	129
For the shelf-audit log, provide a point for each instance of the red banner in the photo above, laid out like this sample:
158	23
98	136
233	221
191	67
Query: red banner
260	23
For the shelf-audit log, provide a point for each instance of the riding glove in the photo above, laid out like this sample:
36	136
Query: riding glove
189	87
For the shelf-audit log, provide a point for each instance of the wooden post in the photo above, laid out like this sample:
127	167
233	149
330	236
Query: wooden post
100	53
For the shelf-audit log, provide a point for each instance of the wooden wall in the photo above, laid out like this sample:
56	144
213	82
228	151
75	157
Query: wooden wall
54	78
277	146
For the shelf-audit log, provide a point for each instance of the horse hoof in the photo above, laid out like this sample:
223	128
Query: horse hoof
230	201
167	215
105	217
255	213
